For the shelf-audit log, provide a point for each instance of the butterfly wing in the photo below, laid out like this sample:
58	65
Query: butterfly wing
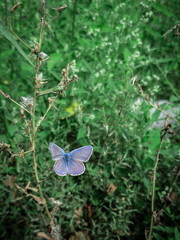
75	168
60	167
56	152
77	157
82	154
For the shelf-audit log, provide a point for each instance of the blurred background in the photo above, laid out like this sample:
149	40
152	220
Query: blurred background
110	45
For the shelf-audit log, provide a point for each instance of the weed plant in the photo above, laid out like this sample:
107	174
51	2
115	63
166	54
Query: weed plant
117	49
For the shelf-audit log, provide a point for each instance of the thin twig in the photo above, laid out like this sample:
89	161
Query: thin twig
7	96
42	118
153	190
168	195
151	104
11	29
20	153
177	26
164	131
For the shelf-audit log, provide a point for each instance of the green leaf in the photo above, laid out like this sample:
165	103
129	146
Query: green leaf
163	9
81	133
10	37
55	75
157	236
147	184
176	234
6	53
55	61
138	163
126	54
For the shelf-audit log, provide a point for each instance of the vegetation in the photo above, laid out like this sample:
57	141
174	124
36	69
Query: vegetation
80	73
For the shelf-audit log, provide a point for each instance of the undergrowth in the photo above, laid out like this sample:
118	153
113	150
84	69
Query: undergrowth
124	66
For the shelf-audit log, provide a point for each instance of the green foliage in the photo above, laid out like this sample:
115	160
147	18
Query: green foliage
108	43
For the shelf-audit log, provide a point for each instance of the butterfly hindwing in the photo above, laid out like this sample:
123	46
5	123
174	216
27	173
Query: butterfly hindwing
60	167
56	152
75	168
82	154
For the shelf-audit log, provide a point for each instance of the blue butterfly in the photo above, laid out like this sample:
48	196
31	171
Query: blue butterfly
70	163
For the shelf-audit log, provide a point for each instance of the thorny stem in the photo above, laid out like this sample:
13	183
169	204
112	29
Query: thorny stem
153	189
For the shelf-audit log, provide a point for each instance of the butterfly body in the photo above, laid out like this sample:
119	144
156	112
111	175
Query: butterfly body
70	163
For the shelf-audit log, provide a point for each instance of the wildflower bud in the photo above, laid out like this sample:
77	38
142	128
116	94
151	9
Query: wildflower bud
23	116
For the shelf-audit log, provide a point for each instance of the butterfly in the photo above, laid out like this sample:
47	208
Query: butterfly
70	163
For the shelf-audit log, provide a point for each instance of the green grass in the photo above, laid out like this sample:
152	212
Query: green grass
108	42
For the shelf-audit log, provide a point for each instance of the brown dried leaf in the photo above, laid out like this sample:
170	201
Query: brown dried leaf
166	122
78	213
37	199
53	213
147	97
20	188
11	182
80	235
140	89
43	235
111	188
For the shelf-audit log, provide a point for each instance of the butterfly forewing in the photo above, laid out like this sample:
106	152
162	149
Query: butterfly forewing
60	167
56	152
82	154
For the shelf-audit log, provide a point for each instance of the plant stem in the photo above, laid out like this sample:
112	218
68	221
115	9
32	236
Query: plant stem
169	193
34	111
42	118
153	190
159	109
33	143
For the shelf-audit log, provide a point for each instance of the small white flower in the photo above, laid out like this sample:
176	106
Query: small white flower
97	74
133	79
40	76
43	55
